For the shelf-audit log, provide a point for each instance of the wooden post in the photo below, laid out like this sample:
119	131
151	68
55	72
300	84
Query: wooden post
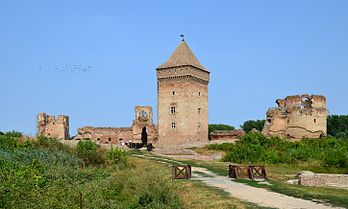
81	206
250	172
173	172
189	171
263	172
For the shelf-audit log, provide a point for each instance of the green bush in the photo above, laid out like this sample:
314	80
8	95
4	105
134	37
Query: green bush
43	173
49	143
89	153
8	142
219	127
336	158
251	124
14	134
223	146
337	126
117	155
258	149
342	135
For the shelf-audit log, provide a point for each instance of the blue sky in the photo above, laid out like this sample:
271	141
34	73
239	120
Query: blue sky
257	51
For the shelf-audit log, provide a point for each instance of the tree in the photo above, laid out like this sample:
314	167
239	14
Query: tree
337	126
219	127
250	124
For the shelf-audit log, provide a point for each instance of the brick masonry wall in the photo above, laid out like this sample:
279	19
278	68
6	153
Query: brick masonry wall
307	178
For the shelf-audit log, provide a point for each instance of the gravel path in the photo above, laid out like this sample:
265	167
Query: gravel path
259	196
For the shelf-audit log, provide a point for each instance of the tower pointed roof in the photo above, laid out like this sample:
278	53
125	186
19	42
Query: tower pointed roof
182	56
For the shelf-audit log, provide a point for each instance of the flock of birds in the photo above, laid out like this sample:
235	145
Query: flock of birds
69	68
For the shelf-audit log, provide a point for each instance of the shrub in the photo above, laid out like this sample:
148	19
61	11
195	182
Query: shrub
50	143
223	146
336	158
8	142
342	135
13	134
251	124
219	127
44	174
256	148
337	125
88	152
117	155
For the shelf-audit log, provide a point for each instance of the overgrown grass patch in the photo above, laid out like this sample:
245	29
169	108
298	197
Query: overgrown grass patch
255	148
44	173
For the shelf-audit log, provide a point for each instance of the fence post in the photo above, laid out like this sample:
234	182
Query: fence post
81	206
189	171
250	172
264	172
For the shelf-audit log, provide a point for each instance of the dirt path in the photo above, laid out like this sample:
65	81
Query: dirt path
259	196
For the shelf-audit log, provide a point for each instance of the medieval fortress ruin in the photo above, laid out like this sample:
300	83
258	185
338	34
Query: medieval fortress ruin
182	107
51	126
182	111
297	117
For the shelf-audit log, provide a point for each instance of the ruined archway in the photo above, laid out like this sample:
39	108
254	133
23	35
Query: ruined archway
144	136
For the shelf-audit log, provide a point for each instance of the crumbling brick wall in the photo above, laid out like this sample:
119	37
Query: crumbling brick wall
112	135
227	135
296	117
106	135
50	126
307	178
144	119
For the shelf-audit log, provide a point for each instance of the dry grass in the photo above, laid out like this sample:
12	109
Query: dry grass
194	194
279	173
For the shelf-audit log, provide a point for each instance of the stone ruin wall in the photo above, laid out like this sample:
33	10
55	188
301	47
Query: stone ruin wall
144	118
50	126
297	117
308	178
112	135
105	135
226	135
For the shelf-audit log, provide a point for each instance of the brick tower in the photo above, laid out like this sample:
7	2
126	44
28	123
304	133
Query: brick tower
182	97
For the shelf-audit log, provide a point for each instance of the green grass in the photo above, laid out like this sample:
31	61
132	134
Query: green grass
47	174
277	175
44	173
202	174
195	194
255	148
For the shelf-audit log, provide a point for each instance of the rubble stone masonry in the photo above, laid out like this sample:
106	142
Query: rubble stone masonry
297	117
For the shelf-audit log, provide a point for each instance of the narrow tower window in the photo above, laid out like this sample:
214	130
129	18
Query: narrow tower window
173	93
172	110
173	125
199	110
315	120
199	93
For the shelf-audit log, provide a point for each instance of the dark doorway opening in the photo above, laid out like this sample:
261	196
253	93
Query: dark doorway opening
144	136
